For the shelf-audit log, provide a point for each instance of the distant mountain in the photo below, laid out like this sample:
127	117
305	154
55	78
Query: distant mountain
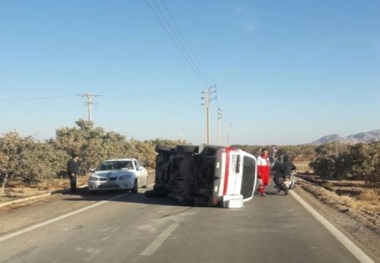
362	137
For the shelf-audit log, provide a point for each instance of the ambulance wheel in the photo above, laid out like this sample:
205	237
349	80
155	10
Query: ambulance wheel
162	148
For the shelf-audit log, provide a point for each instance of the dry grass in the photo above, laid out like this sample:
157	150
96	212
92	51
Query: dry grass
302	166
352	194
369	199
349	201
17	189
304	157
370	195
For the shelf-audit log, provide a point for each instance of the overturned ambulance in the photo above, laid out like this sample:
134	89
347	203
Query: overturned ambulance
204	175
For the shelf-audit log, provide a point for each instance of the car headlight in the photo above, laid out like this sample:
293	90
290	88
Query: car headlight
93	178
125	177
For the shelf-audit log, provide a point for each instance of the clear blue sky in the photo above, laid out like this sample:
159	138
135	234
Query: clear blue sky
287	72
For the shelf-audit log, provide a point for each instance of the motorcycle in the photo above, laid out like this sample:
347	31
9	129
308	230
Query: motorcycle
279	169
285	183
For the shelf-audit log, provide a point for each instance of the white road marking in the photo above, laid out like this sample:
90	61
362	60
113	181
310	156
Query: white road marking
17	233
355	250
159	240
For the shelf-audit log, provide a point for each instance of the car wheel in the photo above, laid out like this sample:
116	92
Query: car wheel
135	187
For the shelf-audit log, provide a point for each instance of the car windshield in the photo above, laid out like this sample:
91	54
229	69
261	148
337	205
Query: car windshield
114	165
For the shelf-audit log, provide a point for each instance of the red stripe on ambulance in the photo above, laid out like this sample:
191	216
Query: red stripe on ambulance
227	170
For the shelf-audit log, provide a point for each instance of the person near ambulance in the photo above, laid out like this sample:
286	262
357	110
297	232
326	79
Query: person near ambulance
263	171
288	166
283	169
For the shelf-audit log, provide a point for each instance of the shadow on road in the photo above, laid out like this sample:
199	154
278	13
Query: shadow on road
82	194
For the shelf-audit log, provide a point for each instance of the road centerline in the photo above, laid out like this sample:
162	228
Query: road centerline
159	240
47	222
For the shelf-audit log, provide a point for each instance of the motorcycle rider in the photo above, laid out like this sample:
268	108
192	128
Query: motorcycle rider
287	165
284	170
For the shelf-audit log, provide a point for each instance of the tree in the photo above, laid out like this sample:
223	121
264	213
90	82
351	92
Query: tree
365	162
40	162
326	157
359	161
71	140
12	146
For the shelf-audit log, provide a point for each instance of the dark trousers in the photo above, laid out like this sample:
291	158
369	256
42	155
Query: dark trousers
73	183
278	178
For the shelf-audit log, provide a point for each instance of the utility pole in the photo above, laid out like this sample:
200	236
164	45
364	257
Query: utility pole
228	133
220	114
207	99
89	103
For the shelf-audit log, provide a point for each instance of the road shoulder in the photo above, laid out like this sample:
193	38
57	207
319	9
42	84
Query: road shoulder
353	227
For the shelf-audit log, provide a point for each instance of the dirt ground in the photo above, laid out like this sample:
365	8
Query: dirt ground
17	190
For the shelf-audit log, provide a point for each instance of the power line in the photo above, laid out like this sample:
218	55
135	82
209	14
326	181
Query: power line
206	75
37	98
188	56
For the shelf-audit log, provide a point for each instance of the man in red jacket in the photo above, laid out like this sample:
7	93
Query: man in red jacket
263	171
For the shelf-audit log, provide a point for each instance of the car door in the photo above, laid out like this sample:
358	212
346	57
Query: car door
141	172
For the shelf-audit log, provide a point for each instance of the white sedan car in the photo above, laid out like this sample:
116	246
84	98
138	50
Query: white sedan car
118	174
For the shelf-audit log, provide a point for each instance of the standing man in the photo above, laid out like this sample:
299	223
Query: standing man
263	171
72	170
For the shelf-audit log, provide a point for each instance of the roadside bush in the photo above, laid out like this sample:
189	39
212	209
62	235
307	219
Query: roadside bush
32	161
41	162
12	146
350	162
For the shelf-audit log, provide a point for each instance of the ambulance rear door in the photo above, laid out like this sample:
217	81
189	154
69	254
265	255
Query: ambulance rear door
249	175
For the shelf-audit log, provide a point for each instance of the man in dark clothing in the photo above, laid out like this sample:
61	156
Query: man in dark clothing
72	170
287	165
284	169
277	170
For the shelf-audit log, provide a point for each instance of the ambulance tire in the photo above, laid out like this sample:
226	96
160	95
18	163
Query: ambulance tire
162	148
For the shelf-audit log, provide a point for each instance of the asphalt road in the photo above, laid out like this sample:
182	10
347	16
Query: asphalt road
133	228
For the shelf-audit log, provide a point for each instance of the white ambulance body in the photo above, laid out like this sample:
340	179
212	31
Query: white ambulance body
205	175
238	177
